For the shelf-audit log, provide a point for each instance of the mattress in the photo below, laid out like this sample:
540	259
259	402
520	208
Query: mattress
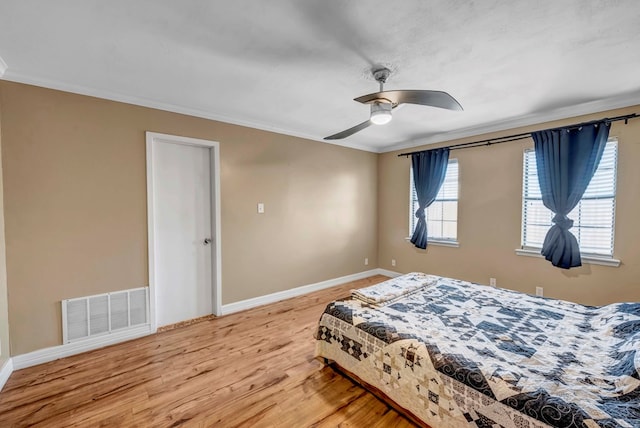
457	354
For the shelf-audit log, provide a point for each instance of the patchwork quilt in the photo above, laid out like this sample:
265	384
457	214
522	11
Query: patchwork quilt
458	354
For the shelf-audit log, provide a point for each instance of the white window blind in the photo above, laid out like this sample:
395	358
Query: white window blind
442	214
593	217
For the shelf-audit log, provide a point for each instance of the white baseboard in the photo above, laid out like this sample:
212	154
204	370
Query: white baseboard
53	353
388	273
242	305
5	372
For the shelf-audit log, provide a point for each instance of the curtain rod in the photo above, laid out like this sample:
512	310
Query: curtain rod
523	135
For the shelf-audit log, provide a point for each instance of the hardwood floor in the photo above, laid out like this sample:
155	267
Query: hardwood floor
253	368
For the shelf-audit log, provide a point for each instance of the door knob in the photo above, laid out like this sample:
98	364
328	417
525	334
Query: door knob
207	241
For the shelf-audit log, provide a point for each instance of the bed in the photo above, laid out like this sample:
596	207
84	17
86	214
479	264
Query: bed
450	353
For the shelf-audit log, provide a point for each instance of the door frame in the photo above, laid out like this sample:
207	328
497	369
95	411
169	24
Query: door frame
152	139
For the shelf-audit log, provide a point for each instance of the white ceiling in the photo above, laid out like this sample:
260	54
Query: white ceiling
294	66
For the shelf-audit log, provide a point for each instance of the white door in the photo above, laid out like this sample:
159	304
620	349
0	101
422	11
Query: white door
182	231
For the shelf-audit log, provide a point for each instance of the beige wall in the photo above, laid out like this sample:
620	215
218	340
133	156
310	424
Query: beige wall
4	308
75	211
489	221
75	205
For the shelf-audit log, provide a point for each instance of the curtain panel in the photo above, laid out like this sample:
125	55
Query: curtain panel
566	160
429	169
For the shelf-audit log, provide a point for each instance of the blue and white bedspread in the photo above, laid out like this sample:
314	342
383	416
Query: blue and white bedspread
458	354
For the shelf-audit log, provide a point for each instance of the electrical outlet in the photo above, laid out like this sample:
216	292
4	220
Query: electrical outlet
260	208
539	291
393	262
492	282
366	261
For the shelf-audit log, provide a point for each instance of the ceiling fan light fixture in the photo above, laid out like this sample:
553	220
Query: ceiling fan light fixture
380	113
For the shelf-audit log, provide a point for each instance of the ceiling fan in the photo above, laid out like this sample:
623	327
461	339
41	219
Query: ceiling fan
383	102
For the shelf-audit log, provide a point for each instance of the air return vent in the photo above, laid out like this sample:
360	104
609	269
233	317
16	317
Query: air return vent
101	314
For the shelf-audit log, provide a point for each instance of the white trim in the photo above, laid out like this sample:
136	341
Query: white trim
216	227
591	260
3	67
144	102
453	244
388	273
55	352
5	372
151	245
242	305
518	122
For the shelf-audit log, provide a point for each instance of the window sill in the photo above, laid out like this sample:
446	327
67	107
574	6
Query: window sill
440	243
592	260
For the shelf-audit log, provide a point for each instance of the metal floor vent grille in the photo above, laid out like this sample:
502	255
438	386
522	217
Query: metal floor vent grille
90	316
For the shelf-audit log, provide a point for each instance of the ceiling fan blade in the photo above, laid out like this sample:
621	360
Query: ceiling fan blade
350	131
426	98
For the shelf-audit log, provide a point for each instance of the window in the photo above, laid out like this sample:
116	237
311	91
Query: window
442	214
593	217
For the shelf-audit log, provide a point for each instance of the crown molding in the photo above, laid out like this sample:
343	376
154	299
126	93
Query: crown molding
143	102
612	103
591	107
3	67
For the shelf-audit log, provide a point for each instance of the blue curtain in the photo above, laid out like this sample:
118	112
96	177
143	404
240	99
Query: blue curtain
566	159
429	169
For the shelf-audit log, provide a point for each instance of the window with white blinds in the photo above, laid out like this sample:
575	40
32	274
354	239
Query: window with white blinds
593	217
442	214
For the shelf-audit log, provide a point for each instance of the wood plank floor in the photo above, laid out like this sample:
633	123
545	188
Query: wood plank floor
254	368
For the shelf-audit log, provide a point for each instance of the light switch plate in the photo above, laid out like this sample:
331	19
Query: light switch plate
260	208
